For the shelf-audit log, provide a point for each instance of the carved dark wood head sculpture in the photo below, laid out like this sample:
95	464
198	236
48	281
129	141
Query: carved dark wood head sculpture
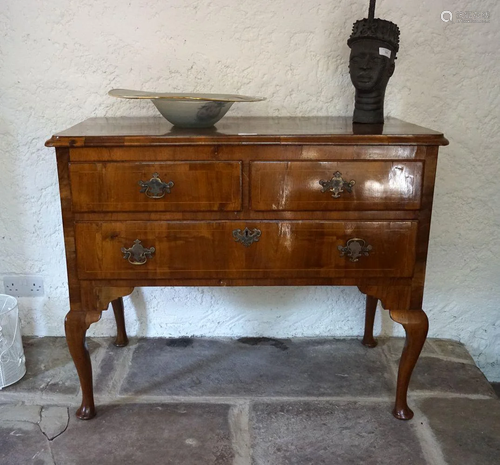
374	44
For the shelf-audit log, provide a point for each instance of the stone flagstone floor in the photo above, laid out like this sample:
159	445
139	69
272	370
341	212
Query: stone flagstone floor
249	402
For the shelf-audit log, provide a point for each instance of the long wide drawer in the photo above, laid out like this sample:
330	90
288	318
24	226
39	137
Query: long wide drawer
169	186
336	185
264	249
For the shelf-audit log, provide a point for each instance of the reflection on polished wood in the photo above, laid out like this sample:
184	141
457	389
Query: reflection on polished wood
121	333
316	129
378	185
76	325
260	175
370	311
208	249
416	326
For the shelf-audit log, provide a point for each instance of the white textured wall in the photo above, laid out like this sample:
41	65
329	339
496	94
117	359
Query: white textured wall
58	59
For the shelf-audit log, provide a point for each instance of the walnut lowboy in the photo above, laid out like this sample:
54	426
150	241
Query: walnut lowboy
256	201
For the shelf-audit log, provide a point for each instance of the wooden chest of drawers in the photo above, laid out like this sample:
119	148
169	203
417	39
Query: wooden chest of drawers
255	201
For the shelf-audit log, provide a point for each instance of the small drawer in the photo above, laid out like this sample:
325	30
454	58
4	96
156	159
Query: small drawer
150	187
264	249
336	185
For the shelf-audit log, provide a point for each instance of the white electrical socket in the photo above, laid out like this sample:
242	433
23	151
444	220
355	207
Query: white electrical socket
23	286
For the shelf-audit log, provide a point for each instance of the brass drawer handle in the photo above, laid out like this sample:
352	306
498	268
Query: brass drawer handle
247	237
138	254
155	188
336	185
354	249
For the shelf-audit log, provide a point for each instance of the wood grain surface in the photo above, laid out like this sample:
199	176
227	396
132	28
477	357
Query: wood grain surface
209	250
299	130
197	186
256	173
379	185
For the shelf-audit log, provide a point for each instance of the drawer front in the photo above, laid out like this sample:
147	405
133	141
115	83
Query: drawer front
242	250
342	185
149	187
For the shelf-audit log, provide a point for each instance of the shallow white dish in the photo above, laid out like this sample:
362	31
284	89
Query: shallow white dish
188	110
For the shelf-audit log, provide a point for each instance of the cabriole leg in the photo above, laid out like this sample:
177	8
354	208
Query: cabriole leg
371	308
416	325
76	325
121	333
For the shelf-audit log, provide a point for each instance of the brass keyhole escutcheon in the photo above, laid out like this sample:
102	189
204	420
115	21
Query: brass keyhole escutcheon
337	185
247	237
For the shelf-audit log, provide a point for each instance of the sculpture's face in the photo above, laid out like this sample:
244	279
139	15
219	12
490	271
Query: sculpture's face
369	69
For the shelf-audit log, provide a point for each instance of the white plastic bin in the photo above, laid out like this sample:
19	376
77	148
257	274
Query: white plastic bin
12	361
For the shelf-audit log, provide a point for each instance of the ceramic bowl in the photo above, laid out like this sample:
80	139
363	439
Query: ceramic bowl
188	110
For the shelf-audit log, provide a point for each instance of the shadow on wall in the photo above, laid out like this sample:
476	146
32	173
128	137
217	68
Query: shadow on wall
251	311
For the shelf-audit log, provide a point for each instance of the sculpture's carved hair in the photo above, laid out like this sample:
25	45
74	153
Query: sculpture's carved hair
378	29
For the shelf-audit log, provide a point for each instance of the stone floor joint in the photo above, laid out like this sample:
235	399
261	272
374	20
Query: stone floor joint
48	441
390	365
448	395
122	370
239	425
430	446
445	358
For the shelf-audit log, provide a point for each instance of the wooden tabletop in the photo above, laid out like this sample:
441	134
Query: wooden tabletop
125	131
